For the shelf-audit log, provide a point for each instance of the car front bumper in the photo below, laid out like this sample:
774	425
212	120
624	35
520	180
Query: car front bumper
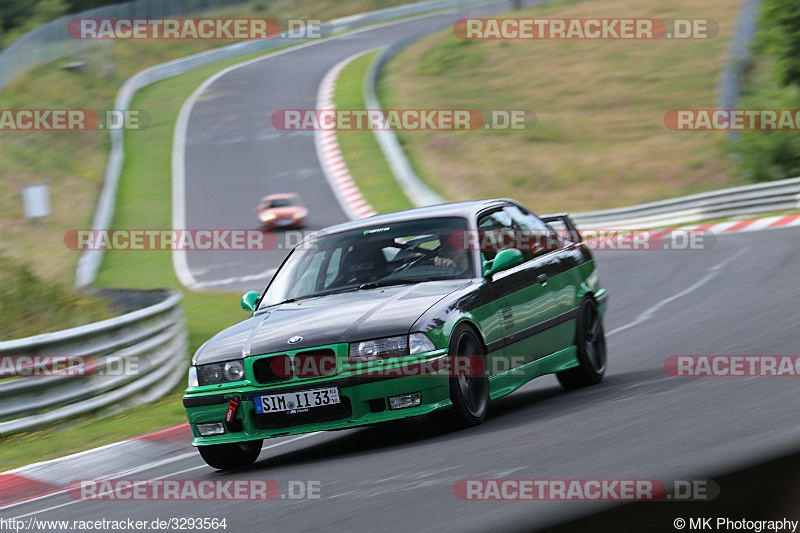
284	222
364	400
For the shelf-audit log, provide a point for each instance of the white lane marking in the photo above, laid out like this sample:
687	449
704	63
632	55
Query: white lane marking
645	315
114	476
241	279
179	262
32	466
140	469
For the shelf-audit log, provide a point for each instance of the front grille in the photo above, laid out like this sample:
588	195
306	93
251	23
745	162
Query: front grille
273	369
314	415
315	363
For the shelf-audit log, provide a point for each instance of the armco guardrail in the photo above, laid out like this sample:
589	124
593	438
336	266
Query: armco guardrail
89	262
414	188
139	357
780	195
417	191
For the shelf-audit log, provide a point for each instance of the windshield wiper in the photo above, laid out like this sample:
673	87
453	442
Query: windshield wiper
377	284
290	300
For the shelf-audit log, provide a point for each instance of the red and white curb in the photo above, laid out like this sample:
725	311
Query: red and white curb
113	460
719	228
330	156
739	226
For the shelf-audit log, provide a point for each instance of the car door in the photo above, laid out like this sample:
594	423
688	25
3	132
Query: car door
553	266
529	297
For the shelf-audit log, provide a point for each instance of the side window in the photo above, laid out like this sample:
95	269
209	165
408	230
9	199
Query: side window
536	237
493	223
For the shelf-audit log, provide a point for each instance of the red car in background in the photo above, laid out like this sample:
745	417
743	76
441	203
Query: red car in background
285	210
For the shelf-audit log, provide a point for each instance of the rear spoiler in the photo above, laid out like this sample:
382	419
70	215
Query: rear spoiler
570	230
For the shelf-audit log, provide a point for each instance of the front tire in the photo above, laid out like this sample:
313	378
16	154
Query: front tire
231	456
591	341
469	394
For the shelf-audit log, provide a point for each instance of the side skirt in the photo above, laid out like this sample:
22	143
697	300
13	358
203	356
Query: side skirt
511	380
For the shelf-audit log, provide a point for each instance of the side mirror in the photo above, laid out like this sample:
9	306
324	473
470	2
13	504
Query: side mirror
249	300
505	259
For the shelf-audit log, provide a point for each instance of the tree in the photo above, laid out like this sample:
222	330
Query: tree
780	37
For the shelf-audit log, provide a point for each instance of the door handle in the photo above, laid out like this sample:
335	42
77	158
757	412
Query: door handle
541	278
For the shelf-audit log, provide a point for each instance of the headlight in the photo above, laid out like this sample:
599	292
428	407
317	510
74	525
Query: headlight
193	377
234	370
300	213
420	343
267	217
371	350
216	373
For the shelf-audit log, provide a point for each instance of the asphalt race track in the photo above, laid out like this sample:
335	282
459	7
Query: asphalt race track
738	298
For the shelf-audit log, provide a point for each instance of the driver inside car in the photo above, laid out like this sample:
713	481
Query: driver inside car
448	256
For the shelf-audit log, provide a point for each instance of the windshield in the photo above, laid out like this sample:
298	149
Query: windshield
279	202
406	252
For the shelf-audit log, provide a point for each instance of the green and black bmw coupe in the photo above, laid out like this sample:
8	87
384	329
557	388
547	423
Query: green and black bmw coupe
430	311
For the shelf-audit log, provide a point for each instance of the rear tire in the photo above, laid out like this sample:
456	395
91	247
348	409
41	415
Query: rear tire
231	456
469	394
591	342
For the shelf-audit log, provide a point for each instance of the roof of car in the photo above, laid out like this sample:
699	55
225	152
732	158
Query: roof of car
454	209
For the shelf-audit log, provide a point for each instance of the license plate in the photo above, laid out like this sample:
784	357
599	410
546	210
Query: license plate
299	401
283	221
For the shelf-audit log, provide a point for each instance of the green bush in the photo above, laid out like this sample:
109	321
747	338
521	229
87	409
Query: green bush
773	83
29	305
769	155
779	36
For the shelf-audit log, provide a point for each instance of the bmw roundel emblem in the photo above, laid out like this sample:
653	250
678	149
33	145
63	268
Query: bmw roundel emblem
295	339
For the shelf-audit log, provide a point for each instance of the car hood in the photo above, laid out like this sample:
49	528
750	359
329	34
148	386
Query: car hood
335	318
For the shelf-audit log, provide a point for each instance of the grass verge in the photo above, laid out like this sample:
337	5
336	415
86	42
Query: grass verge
600	139
30	305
